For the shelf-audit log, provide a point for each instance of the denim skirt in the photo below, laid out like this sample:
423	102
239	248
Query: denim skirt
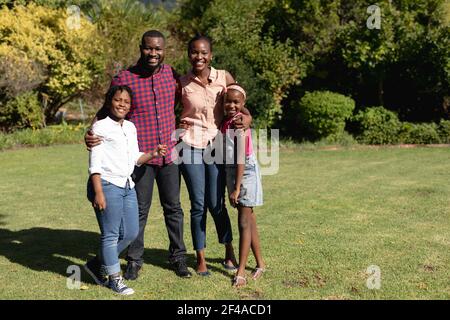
251	194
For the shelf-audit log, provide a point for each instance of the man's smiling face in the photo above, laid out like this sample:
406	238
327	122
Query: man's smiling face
152	52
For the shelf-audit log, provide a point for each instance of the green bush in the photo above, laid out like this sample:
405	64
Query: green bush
323	113
58	134
22	111
377	125
444	131
420	133
344	139
6	142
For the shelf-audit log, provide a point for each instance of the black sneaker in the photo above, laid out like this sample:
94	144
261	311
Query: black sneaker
181	269
95	269
132	271
118	286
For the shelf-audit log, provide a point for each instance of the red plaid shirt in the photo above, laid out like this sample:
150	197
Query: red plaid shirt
152	110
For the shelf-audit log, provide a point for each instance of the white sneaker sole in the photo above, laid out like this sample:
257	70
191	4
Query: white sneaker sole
127	292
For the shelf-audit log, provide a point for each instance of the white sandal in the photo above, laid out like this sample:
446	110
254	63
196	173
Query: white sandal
239	281
257	273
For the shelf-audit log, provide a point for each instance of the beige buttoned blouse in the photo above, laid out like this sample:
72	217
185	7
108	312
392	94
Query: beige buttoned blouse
202	107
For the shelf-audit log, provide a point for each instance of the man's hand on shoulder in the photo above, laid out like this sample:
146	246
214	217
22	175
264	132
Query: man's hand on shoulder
91	140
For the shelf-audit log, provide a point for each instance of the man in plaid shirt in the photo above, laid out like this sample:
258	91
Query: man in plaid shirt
154	86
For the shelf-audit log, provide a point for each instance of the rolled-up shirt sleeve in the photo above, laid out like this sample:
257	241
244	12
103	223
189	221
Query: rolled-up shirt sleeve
135	148
96	154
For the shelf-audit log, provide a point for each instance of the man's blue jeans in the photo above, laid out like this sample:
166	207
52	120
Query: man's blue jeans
206	187
119	224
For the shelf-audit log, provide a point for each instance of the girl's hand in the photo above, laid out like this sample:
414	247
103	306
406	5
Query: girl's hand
160	150
99	201
234	197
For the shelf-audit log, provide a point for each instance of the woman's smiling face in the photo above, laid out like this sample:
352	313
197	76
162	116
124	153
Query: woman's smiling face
200	55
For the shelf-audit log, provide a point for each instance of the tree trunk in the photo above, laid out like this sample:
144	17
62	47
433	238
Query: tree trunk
54	105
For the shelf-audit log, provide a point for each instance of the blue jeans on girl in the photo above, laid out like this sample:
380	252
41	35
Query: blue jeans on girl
119	224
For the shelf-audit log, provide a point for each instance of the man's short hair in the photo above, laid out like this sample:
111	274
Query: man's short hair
152	34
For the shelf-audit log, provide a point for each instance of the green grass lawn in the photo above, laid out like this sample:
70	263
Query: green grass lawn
328	216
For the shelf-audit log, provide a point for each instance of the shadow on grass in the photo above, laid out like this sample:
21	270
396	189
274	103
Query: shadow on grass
54	250
159	258
2	217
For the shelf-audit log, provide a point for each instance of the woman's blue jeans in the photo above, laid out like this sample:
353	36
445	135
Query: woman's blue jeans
206	186
119	224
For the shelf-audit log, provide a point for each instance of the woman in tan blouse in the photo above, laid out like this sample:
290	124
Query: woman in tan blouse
202	91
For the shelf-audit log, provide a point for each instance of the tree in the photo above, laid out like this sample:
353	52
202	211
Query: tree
63	59
403	65
121	24
370	50
241	46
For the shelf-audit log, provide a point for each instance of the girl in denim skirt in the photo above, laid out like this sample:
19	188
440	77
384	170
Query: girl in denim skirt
243	182
112	189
